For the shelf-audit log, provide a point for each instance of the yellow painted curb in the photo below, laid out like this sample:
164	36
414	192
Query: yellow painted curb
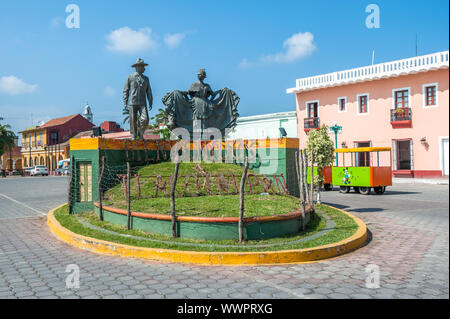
213	258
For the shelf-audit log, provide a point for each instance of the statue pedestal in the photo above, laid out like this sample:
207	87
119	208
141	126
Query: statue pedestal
266	156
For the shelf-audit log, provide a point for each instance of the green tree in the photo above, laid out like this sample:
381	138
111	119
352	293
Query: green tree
7	139
159	124
126	114
321	145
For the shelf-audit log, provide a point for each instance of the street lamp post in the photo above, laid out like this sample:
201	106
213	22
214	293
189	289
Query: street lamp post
29	148
336	128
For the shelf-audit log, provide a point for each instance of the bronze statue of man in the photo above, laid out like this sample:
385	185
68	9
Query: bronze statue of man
136	92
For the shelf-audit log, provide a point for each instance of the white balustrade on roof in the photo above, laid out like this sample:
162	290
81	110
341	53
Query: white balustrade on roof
413	65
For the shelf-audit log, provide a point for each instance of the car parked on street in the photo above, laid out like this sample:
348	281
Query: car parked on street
62	171
39	170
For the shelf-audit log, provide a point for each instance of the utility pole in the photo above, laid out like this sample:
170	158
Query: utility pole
416	45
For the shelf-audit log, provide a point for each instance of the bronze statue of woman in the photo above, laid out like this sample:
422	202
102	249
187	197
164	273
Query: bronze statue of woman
200	93
199	103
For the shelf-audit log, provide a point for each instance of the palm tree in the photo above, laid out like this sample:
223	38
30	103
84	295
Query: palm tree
126	113
7	141
160	123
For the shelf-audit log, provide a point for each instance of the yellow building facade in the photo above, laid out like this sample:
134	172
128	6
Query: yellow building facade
48	144
37	151
11	160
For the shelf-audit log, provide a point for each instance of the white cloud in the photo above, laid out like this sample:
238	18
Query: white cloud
13	86
174	40
127	40
245	64
109	91
296	47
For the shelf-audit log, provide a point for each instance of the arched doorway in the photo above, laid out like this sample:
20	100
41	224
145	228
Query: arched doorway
8	164
31	162
18	164
41	161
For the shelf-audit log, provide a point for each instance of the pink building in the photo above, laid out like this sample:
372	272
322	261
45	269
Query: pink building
403	104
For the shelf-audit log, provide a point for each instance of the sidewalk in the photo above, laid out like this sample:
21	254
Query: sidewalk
435	181
28	176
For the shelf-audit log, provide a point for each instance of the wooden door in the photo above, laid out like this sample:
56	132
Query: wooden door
85	182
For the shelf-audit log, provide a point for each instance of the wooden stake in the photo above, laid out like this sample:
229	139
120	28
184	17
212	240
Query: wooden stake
241	202
128	196
297	169
138	185
100	188
305	181
172	198
312	182
302	189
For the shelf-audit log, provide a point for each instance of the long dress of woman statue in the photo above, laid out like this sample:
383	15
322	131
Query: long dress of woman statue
200	103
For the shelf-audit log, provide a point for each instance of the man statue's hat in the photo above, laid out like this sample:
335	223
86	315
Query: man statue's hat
139	62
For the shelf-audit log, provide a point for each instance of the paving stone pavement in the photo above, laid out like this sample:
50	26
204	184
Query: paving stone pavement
410	246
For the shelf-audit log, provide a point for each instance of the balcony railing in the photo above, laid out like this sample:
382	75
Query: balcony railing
312	123
32	145
372	72
401	114
401	117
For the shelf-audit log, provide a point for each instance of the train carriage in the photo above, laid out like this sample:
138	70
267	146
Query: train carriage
363	168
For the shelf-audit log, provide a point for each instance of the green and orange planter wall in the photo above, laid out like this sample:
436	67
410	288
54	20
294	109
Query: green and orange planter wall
208	228
88	152
273	158
280	159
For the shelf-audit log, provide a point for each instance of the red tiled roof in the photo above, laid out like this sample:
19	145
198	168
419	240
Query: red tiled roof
59	121
16	151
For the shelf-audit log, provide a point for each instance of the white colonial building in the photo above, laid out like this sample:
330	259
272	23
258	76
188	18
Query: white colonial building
265	126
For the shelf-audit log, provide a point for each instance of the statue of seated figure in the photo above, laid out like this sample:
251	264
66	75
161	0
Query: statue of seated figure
200	103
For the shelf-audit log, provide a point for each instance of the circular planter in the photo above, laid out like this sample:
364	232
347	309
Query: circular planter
305	255
208	228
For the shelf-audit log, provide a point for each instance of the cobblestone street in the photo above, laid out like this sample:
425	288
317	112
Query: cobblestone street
410	245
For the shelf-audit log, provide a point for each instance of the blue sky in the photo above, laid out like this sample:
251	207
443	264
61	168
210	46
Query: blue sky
48	70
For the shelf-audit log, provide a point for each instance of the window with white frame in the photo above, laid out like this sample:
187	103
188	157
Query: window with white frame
342	104
312	109
401	98
430	95
363	104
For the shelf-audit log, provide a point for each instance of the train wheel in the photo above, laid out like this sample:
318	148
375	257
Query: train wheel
364	190
344	189
380	189
327	187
